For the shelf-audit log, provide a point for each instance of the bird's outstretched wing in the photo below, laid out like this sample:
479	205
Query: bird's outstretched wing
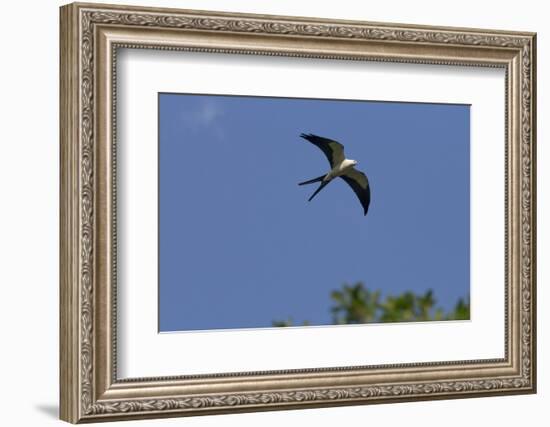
359	183
332	149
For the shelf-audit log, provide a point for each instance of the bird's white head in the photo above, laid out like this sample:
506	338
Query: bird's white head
354	162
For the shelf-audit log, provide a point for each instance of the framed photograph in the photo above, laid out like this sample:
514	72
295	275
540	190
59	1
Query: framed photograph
266	212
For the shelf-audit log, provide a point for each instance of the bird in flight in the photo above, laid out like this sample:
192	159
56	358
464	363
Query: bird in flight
339	167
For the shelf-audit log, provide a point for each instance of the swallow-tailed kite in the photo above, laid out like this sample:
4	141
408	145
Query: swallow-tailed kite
339	167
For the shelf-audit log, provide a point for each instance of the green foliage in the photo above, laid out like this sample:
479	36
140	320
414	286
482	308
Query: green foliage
357	304
287	322
461	311
354	304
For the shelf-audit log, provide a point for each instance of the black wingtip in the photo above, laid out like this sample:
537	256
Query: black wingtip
307	136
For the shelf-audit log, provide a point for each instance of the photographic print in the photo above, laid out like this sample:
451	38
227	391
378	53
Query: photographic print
269	212
281	212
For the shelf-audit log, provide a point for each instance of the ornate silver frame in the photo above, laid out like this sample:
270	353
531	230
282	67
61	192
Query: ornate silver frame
90	35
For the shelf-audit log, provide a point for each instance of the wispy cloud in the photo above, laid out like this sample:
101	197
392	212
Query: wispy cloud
204	115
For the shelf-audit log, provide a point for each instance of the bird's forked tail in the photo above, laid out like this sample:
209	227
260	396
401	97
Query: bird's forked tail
323	184
311	181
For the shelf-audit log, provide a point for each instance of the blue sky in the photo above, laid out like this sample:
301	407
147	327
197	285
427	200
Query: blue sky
240	245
